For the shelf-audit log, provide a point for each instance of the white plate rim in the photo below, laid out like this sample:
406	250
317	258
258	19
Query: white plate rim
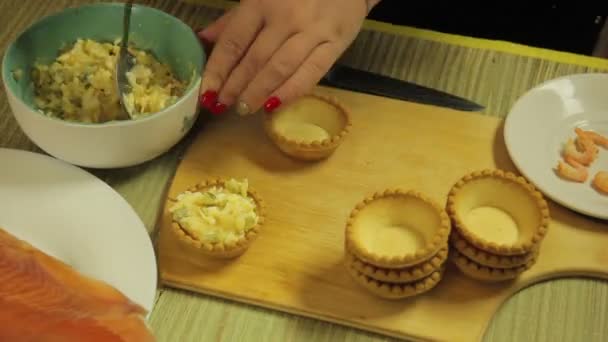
119	199
507	128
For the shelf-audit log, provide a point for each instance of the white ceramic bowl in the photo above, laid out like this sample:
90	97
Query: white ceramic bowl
112	144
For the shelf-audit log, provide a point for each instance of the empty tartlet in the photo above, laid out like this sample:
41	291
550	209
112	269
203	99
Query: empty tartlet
311	128
220	218
498	212
396	229
399	275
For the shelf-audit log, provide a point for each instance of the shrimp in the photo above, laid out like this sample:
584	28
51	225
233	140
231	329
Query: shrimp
595	137
587	154
600	181
572	170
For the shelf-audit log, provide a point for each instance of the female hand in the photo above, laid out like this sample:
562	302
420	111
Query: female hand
269	52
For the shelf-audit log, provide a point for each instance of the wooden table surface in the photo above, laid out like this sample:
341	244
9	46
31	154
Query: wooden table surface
492	73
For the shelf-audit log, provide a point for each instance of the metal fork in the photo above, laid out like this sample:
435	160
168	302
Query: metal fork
125	61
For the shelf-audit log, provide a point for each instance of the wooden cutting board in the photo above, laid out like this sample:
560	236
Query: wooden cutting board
296	264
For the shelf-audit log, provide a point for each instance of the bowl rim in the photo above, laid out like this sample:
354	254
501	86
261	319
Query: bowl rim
114	123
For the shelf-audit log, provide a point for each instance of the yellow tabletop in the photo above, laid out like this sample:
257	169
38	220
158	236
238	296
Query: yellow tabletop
490	72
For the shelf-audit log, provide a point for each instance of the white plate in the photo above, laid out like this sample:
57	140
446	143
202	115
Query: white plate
543	119
72	215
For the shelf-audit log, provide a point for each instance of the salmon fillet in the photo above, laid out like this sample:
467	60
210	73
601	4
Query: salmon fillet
43	299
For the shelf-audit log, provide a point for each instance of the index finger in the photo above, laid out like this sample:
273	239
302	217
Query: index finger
231	45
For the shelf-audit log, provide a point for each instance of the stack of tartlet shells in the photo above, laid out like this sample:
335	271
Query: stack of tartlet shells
397	277
490	261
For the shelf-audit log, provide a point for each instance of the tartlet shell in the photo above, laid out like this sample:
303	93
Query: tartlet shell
221	250
439	240
314	150
492	247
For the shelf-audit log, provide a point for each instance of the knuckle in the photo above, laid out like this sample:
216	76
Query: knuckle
333	31
229	95
213	77
232	46
295	89
315	67
300	87
316	36
252	64
259	92
265	90
281	68
338	31
297	18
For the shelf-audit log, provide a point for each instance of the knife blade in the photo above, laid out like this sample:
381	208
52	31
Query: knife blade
347	78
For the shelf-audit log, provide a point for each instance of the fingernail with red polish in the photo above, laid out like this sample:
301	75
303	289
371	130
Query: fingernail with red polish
218	108
208	99
271	104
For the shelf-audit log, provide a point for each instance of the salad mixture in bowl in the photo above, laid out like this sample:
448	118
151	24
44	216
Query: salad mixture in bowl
80	84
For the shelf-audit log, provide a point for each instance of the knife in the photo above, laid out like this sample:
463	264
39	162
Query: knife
343	77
